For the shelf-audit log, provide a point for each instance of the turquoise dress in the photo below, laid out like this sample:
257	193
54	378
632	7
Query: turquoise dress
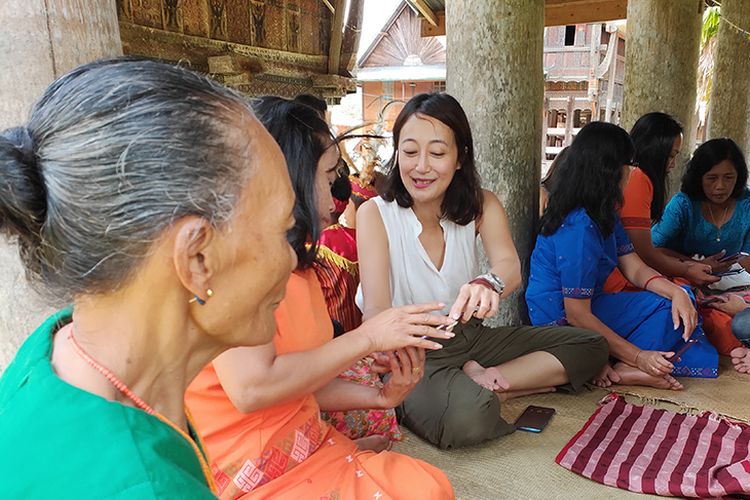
684	229
575	262
59	441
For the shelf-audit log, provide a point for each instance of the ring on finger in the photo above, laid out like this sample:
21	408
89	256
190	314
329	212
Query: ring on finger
416	371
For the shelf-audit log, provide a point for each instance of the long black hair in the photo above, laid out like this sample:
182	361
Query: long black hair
653	137
463	199
707	156
303	136
590	177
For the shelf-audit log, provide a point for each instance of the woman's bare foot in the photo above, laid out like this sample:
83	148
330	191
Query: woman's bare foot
374	443
506	395
741	359
489	378
606	377
633	376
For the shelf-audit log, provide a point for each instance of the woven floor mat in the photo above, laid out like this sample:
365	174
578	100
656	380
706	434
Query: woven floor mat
522	465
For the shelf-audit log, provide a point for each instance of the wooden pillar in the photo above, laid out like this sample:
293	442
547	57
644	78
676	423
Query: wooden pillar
494	66
39	41
611	84
665	82
729	107
43	39
337	33
569	118
595	32
545	126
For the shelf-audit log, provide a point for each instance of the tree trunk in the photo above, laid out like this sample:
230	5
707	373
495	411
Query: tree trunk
39	41
494	69
729	114
661	62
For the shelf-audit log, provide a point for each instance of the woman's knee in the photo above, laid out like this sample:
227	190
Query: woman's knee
466	423
741	327
588	343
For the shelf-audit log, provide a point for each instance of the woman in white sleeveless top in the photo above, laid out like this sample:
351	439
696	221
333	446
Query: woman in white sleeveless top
418	244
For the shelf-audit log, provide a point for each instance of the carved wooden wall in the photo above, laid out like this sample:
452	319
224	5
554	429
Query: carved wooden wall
274	46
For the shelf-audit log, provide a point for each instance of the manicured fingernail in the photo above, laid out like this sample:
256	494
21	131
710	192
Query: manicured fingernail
438	346
450	334
455	316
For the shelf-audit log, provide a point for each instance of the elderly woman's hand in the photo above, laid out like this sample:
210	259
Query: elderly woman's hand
477	300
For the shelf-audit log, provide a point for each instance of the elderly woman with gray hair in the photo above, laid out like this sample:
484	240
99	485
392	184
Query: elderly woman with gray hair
132	192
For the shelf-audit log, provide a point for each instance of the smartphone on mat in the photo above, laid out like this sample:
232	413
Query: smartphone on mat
534	418
734	256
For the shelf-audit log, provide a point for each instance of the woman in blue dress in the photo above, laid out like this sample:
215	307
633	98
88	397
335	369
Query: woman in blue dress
711	217
580	243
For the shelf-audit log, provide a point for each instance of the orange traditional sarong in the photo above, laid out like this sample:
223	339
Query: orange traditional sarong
636	214
287	451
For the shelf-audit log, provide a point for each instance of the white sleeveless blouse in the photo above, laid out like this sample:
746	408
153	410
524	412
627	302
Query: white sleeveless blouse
414	277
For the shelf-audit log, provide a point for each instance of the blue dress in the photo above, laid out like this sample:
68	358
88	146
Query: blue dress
575	262
684	229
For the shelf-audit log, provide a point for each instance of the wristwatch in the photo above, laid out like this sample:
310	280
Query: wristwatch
493	280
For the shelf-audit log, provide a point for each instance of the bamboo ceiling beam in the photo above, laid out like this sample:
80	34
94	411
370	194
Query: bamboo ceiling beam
330	6
427	13
337	33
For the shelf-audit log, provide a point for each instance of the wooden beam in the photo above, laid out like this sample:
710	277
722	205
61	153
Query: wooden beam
427	13
330	6
564	12
337	32
556	13
436	30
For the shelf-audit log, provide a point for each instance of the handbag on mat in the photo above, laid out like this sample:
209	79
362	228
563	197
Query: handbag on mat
650	450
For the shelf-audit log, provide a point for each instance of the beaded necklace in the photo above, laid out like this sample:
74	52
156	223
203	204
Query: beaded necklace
124	389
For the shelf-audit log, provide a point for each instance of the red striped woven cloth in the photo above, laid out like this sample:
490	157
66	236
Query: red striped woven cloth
649	450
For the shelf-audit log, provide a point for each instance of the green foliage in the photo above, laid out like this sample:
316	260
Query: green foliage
710	28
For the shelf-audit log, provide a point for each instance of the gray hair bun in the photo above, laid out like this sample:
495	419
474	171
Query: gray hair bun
22	191
115	152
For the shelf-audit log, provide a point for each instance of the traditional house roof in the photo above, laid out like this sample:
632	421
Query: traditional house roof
400	44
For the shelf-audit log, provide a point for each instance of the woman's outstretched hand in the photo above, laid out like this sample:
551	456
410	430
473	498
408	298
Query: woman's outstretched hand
475	300
405	326
683	311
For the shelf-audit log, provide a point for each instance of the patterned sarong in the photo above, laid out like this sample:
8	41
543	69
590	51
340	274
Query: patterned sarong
648	450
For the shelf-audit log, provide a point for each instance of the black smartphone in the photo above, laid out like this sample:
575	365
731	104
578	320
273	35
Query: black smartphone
734	256
731	272
687	345
534	418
